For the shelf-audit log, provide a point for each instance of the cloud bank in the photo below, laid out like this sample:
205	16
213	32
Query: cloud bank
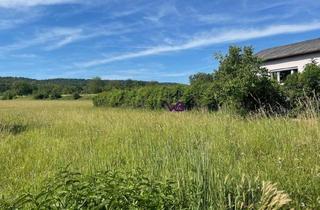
209	39
32	3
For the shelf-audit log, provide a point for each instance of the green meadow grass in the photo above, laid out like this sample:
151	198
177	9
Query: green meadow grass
217	152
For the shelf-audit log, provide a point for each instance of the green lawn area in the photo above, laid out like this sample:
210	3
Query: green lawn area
216	151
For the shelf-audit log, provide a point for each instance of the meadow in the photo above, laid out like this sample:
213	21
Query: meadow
215	160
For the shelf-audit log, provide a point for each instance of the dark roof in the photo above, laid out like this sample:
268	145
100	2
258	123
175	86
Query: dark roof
300	48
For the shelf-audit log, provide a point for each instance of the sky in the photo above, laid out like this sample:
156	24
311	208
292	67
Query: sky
158	40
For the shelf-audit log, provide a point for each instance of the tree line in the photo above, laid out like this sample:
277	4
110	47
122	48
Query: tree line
239	84
13	87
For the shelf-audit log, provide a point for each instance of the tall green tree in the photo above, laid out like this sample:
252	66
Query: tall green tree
95	85
22	88
241	83
200	78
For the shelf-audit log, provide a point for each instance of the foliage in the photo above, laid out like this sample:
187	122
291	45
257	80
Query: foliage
55	94
41	95
76	96
213	159
18	86
103	190
151	97
303	89
242	83
202	92
310	79
8	95
304	84
12	127
135	190
95	85
200	78
22	88
48	92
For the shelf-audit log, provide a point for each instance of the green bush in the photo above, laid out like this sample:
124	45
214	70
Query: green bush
239	84
55	95
103	190
150	97
135	190
242	84
303	89
76	96
22	88
52	94
41	95
304	84
8	95
310	79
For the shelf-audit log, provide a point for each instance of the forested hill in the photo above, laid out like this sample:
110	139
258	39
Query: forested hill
67	86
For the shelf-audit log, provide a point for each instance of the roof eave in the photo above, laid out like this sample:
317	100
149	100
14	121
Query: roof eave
289	56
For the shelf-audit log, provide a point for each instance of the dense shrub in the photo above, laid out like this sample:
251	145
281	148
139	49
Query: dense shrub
303	89
201	96
104	190
242	84
304	84
41	95
55	94
76	96
95	85
310	79
151	97
135	190
8	95
47	93
22	88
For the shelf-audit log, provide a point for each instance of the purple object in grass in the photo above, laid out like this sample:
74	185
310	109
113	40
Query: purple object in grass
178	107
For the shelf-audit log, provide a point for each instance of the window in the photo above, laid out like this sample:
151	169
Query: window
274	75
281	75
284	75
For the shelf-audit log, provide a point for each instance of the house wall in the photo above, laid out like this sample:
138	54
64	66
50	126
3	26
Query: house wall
298	62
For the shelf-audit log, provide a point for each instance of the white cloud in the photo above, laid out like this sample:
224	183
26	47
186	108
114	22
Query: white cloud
145	74
208	39
55	38
162	11
12	19
52	38
32	3
10	23
25	56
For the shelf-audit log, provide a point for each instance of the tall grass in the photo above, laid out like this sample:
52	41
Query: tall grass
218	160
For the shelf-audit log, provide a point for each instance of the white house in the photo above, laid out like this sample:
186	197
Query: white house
285	60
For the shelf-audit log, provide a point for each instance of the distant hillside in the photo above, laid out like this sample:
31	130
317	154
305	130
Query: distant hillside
67	86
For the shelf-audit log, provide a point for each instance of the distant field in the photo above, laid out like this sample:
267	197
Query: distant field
216	152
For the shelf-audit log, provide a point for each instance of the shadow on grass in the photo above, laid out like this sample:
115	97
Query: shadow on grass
12	128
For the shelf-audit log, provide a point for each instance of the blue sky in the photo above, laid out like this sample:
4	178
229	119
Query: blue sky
163	40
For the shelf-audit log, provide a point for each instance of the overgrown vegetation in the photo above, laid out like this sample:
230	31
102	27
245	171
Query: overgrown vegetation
11	128
152	97
134	190
208	161
11	87
240	84
303	89
191	160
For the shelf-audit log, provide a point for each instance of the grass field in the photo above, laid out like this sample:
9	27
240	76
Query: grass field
217	152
